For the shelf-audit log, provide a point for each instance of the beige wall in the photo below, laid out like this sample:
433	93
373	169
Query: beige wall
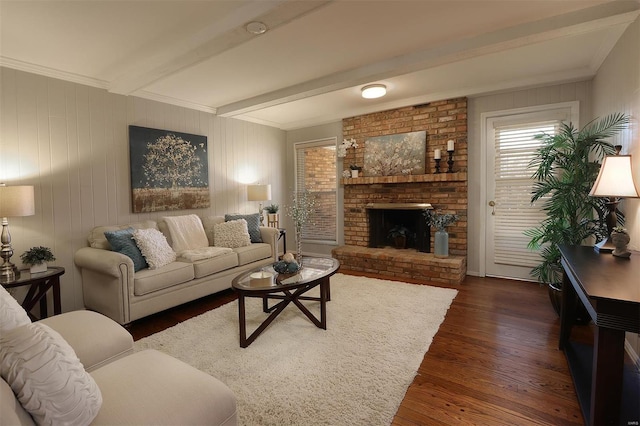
71	142
616	88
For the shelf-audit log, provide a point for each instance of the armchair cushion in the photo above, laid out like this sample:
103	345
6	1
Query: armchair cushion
47	377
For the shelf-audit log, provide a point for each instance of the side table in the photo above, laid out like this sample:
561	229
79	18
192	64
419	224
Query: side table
39	286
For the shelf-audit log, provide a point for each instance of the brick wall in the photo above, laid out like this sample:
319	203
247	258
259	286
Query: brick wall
442	120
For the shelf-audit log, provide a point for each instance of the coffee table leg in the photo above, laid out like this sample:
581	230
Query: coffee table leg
324	292
242	321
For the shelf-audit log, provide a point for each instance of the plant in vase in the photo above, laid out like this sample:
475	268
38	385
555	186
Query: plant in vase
355	170
37	258
440	221
301	211
399	235
272	214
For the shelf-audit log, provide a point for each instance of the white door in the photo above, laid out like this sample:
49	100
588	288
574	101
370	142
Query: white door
510	146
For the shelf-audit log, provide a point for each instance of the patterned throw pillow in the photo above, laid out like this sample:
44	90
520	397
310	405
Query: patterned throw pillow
122	242
154	247
12	315
232	234
253	224
47	377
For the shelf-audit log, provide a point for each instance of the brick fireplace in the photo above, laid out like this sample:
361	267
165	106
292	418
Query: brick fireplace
442	120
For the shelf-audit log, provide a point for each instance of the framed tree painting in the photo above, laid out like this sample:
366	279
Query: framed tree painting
169	170
394	155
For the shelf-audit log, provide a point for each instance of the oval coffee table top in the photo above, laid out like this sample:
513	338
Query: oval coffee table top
266	279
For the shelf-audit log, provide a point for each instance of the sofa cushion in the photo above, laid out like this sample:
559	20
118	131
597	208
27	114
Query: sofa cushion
98	240
122	242
208	222
253	224
154	247
187	232
232	234
47	377
12	315
150	280
152	388
252	253
205	267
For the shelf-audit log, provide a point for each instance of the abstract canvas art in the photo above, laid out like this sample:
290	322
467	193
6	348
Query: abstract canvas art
169	170
394	155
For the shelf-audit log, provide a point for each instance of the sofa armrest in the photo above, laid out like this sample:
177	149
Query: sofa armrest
270	236
96	339
107	282
104	261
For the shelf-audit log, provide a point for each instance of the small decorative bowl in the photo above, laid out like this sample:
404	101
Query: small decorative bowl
286	268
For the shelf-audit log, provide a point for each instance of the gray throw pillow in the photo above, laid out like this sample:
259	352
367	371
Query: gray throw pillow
122	241
253	224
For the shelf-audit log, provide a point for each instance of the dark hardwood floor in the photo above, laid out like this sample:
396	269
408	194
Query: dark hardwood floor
494	360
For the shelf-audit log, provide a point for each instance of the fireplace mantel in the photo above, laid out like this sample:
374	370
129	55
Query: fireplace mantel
433	177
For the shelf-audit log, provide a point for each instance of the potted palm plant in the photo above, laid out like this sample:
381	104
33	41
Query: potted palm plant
566	167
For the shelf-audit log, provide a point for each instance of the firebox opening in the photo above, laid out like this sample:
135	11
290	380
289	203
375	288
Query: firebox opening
388	221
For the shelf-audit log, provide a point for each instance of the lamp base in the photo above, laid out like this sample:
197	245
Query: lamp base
605	246
8	272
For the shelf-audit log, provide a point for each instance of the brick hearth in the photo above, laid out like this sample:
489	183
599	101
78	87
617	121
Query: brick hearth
402	263
447	192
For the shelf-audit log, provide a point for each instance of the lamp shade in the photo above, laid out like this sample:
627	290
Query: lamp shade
16	201
615	178
258	192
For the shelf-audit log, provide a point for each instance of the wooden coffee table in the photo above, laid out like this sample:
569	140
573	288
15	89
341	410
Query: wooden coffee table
267	284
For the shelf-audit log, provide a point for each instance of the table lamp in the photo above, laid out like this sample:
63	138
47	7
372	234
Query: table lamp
259	193
615	181
15	201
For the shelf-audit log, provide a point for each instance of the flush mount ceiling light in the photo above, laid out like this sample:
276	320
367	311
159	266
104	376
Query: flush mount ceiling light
373	91
256	28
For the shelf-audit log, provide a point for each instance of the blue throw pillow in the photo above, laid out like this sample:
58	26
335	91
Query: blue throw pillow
122	241
253	224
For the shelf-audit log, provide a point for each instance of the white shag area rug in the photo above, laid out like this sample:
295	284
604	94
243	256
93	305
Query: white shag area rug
354	373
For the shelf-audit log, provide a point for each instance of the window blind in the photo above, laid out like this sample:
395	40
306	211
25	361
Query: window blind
316	173
514	213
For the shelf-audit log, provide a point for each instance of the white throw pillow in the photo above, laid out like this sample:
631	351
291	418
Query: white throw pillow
154	247
231	234
47	377
12	315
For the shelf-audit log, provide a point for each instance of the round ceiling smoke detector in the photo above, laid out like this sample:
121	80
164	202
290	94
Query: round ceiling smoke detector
256	28
373	91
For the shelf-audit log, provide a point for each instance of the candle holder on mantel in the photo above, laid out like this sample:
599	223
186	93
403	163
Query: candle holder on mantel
450	161
437	165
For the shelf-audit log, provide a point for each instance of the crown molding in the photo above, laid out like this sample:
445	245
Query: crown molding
52	72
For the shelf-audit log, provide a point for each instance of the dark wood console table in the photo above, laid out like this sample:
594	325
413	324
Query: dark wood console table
609	288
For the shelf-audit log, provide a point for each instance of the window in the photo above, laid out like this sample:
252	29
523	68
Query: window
315	164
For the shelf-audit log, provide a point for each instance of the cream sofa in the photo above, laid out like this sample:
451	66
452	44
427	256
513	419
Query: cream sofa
142	388
111	287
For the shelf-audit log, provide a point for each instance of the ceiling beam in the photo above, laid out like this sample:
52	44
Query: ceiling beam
178	53
575	23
